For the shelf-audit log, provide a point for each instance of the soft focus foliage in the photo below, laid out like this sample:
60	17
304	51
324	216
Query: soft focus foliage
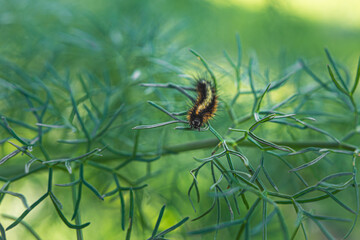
75	78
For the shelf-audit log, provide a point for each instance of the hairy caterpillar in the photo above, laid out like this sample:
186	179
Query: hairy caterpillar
205	105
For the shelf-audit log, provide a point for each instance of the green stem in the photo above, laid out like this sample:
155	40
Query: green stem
209	143
79	234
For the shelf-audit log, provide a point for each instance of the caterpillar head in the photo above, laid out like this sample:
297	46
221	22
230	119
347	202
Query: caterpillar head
196	123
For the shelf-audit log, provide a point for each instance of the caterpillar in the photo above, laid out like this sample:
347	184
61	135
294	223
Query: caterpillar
205	105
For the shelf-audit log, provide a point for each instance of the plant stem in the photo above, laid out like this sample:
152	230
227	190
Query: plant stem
209	143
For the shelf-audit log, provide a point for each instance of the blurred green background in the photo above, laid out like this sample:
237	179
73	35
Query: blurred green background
116	45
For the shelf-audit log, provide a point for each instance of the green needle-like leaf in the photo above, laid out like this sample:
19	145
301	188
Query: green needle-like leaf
158	222
338	86
63	218
27	211
172	228
203	61
2	231
131	215
357	78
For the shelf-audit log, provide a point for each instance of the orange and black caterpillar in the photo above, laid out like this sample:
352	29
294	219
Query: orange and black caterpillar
205	105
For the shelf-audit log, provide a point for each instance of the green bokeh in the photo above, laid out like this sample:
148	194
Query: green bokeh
116	45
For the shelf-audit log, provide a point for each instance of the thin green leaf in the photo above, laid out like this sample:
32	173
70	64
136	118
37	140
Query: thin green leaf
157	125
10	155
68	184
181	89
247	181
312	74
27	211
228	58
206	212
310	163
259	227
93	189
172	228
239	52
72	141
122	202
246	219
12	132
167	65
95	151
217	227
29	163
217	182
112	120
57	201
268	143
131	215
78	199
321	227
332	62
194	183
63	218
253	90
51	125
335	175
25	224
338	86
356	189
264	220
339	202
282	224
289	166
211	157
241	156
157	224
268	177
74	104
357	78
286	101
68	166
205	65
257	109
328	218
2	231
263	120
18	195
